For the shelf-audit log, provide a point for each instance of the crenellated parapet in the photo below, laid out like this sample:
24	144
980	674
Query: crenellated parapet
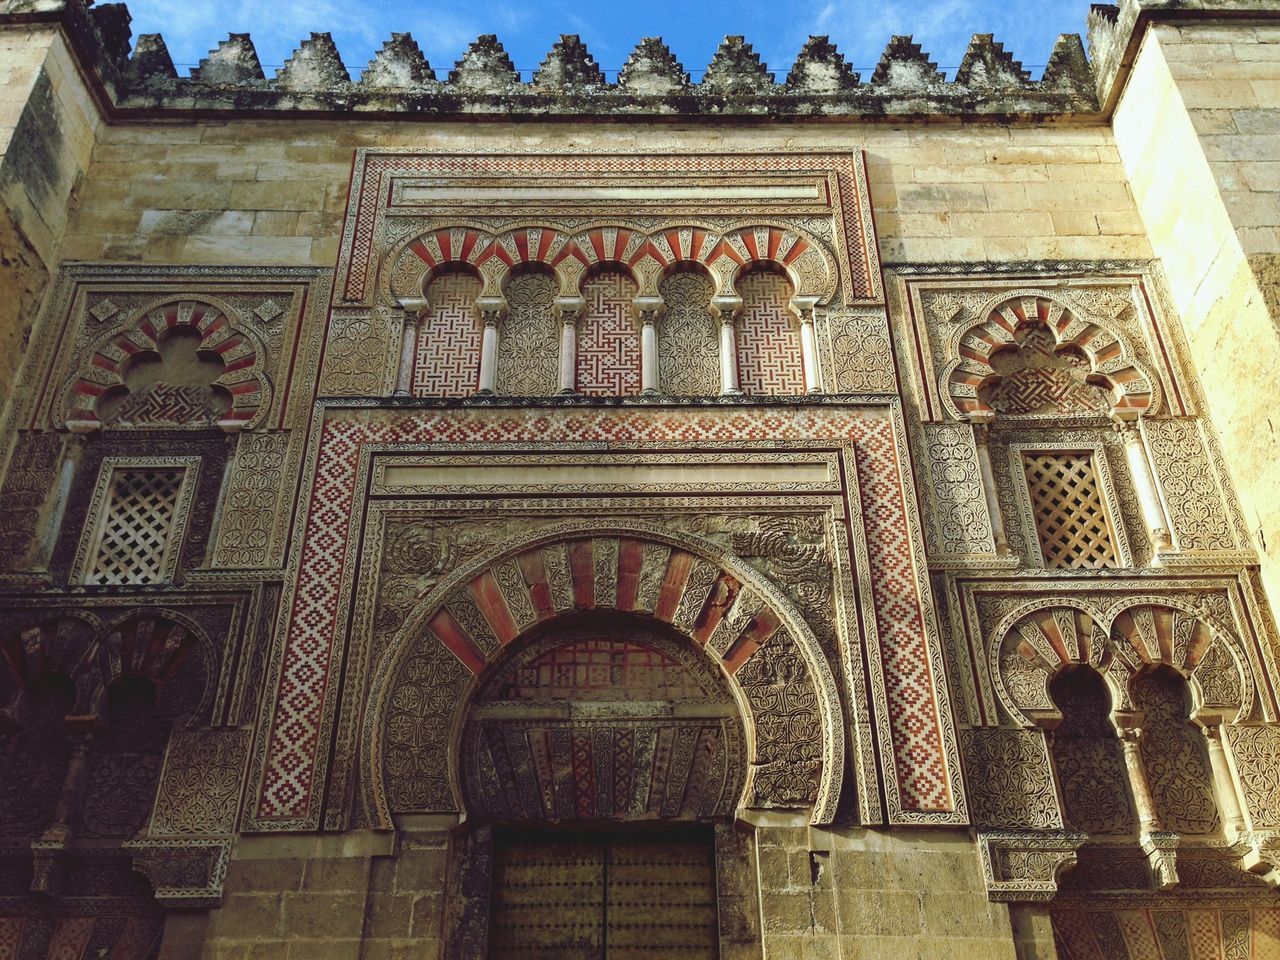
569	82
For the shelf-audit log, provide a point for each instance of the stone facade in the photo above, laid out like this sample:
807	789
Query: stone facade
806	516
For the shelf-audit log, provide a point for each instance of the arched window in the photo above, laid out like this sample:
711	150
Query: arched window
529	347
448	347
124	760
608	339
174	384
1087	756
1036	376
768	334
1174	754
688	347
34	764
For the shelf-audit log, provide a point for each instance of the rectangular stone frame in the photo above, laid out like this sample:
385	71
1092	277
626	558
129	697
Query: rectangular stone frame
91	536
289	769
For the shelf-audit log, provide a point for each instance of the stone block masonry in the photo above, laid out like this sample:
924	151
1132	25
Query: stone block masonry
454	513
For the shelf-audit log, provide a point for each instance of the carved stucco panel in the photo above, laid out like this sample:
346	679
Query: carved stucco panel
1256	750
200	785
1190	486
361	353
253	521
961	522
1008	776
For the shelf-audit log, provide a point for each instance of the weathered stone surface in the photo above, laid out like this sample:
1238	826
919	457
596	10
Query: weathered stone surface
736	71
485	68
986	63
820	69
234	61
569	67
1068	67
652	71
150	62
399	65
314	66
1018	230
903	67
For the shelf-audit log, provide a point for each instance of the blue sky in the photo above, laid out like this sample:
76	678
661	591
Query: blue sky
692	28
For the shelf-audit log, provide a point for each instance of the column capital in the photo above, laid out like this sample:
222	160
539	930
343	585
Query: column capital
1125	422
726	308
414	306
803	307
568	309
492	309
648	309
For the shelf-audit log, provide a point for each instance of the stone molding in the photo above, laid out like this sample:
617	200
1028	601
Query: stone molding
1024	867
184	872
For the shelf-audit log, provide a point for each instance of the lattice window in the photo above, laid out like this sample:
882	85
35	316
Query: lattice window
136	539
448	357
769	360
608	340
1070	513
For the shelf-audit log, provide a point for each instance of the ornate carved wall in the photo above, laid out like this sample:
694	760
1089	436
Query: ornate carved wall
650	498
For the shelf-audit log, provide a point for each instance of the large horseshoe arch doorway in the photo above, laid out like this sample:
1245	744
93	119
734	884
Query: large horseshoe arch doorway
602	695
603	750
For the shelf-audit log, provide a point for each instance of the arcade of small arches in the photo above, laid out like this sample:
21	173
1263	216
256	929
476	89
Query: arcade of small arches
88	709
610	311
1135	706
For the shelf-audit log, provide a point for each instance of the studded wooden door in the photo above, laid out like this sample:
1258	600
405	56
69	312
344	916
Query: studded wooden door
604	897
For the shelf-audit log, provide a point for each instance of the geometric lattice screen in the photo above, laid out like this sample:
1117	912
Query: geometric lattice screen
1071	520
133	542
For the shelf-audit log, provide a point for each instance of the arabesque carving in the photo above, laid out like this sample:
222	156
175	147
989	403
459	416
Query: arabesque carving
1009	780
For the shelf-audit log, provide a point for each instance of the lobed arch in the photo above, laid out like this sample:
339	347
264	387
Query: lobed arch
240	350
1112	362
1036	641
725	610
155	643
647	257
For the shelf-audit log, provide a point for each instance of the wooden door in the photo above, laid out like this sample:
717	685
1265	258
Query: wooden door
604	897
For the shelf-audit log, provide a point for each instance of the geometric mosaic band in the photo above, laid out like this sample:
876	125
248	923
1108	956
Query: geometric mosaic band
289	785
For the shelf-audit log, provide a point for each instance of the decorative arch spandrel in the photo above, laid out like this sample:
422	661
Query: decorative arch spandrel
1038	639
235	392
1067	358
720	605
